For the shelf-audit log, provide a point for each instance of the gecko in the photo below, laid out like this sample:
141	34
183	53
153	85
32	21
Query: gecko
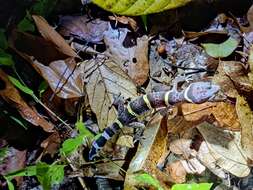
197	92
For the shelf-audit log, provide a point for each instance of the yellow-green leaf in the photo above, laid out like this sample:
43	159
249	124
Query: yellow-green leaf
221	50
138	7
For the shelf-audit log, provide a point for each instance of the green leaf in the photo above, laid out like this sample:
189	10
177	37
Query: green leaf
221	50
3	40
46	174
10	185
6	59
139	7
194	186
70	145
43	7
18	121
26	24
42	88
144	19
20	86
83	130
28	171
147	179
49	174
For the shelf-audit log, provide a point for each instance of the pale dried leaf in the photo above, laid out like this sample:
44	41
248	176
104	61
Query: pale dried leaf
193	166
182	147
63	76
51	35
125	140
177	172
206	157
104	81
225	149
11	95
246	119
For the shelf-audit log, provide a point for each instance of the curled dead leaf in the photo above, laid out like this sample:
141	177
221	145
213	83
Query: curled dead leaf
52	36
11	95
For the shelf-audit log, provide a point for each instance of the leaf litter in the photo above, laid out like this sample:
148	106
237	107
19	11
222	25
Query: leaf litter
94	62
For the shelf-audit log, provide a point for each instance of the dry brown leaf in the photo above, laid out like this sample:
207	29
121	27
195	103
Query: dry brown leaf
226	84
51	144
149	151
196	112
133	60
83	27
224	113
177	172
52	36
246	119
11	95
224	147
105	82
238	74
63	76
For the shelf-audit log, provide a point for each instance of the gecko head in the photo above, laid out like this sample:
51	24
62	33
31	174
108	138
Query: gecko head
200	92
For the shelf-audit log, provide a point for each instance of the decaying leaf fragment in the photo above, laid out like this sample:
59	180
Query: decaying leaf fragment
245	116
105	82
224	149
11	95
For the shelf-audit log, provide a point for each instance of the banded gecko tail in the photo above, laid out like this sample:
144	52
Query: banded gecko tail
198	92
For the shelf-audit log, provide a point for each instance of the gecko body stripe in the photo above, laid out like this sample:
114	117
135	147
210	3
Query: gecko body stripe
129	109
147	102
118	122
166	98
186	96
